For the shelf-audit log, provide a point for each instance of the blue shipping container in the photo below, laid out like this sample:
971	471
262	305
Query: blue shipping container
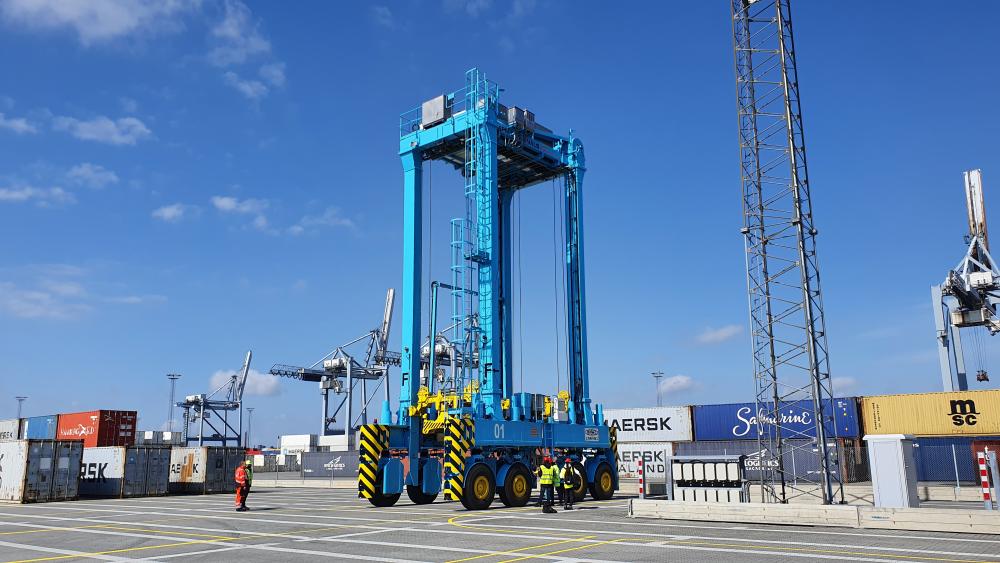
739	421
41	427
940	459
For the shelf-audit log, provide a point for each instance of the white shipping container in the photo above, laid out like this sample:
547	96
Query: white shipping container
39	470
120	472
10	429
654	454
298	441
205	469
336	442
652	424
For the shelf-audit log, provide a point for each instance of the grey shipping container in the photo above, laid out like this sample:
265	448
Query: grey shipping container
159	438
204	470
121	472
40	470
330	465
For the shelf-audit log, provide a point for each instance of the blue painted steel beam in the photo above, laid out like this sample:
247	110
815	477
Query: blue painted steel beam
412	268
576	311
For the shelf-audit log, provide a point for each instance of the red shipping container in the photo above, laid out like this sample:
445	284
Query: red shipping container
98	428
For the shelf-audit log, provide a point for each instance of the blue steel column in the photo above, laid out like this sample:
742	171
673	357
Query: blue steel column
490	353
507	282
576	310
412	268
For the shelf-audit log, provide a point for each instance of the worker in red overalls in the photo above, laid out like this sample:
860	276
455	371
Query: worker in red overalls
242	487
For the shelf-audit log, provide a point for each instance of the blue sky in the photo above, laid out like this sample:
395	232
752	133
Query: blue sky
181	181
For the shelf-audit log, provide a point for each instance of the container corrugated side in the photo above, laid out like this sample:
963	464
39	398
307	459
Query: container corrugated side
653	454
41	427
652	424
741	421
933	414
10	429
187	469
15	461
103	472
40	470
99	428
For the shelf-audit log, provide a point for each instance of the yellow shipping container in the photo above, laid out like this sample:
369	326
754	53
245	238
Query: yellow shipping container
971	413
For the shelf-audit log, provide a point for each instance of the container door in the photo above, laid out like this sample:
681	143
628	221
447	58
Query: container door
157	471
38	481
66	471
12	470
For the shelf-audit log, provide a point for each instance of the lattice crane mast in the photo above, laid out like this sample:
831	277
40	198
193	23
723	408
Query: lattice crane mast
215	411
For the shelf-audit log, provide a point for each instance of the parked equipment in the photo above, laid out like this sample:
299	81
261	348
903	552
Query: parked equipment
40	470
490	436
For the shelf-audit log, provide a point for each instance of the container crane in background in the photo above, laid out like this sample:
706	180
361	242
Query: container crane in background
787	327
366	358
204	410
968	297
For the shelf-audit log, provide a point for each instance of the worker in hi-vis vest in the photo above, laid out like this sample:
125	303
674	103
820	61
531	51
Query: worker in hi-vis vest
548	479
569	482
242	486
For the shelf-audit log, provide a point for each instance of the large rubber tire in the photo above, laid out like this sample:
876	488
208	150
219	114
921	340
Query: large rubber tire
516	489
603	487
418	496
480	488
580	491
379	499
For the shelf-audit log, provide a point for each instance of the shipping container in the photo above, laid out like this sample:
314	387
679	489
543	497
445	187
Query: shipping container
10	430
40	427
40	470
654	424
967	413
119	472
159	438
204	470
98	428
335	443
654	454
330	465
741	421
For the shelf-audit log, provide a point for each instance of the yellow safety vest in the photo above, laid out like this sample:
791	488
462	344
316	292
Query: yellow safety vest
567	477
549	475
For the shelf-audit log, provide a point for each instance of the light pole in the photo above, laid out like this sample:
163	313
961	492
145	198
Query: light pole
249	444
657	375
173	377
20	401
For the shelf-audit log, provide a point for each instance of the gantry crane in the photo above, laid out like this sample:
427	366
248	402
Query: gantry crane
215	412
969	295
342	369
486	436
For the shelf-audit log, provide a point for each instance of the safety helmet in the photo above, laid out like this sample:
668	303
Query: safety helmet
547	459
568	460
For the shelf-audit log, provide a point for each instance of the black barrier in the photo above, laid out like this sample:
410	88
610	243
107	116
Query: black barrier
330	465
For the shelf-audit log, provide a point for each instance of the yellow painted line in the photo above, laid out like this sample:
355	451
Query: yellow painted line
54	529
824	551
513	551
113	551
167	532
549	553
453	522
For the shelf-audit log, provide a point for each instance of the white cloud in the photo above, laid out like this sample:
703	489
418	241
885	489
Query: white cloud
252	89
37	304
273	74
229	204
383	16
137	299
259	384
63	288
41	196
843	385
472	8
129	105
96	21
719	335
122	131
18	125
171	213
331	217
239	36
676	384
91	175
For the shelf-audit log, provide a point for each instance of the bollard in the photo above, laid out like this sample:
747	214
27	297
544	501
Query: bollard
985	479
642	481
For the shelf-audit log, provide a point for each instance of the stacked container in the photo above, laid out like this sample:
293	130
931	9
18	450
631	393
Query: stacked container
958	413
118	472
98	428
204	470
648	434
159	438
40	470
10	429
40	427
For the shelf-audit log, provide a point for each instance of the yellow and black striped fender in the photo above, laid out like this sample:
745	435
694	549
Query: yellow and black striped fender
374	440
613	436
459	439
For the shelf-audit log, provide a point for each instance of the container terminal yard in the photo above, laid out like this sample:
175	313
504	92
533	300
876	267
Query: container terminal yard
432	438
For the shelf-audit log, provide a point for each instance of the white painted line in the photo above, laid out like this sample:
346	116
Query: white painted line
43	549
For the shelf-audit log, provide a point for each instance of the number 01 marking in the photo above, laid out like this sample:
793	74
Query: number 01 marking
498	431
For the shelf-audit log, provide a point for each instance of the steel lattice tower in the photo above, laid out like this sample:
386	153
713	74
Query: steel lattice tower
788	332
